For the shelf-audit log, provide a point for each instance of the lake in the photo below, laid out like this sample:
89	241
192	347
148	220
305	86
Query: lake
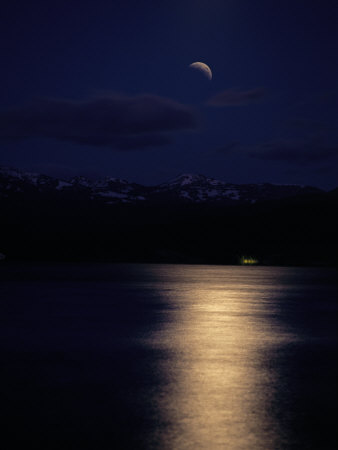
108	356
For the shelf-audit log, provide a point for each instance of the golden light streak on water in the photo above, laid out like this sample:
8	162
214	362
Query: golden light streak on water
219	389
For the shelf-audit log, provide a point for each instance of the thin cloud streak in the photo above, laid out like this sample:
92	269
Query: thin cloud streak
233	97
304	151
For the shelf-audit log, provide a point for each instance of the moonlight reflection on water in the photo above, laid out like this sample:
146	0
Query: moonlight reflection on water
217	336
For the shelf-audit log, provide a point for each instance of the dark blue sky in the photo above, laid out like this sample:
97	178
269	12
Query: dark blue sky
104	88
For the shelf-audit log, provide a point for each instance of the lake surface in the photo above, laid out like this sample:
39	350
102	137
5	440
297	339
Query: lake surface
168	357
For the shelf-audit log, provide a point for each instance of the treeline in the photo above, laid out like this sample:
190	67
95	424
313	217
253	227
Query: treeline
296	231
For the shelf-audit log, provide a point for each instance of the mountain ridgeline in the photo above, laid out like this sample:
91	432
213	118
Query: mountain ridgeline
192	219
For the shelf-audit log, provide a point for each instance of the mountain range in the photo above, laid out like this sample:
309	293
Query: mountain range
187	188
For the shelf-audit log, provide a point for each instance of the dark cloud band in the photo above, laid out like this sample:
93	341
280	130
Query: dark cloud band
115	121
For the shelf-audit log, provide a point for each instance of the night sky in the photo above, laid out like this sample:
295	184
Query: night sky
100	88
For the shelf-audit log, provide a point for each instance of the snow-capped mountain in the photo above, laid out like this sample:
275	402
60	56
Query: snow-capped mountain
110	190
191	188
199	189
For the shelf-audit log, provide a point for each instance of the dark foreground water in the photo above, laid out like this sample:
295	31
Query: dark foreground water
168	357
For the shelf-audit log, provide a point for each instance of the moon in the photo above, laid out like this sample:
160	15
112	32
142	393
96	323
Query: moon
202	67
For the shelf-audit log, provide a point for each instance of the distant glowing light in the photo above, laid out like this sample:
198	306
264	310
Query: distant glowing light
248	261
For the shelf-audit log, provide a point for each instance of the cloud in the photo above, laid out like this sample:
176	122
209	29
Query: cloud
296	151
305	125
116	121
232	97
305	151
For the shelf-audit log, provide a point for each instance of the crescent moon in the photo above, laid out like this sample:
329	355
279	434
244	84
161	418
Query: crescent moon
204	68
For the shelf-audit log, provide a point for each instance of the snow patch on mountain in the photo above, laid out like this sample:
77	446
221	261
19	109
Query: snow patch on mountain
63	184
111	194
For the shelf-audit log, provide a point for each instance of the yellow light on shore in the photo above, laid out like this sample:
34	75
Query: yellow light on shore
248	260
